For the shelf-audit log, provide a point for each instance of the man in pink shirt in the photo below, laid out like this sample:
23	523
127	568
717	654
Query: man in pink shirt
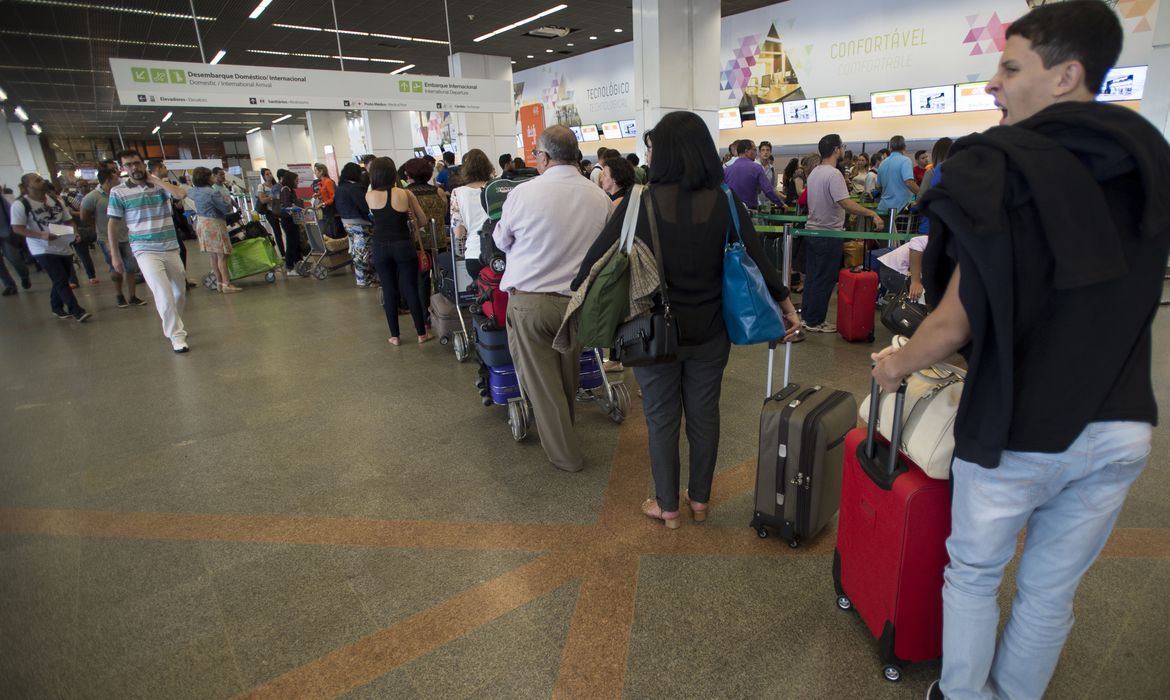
546	227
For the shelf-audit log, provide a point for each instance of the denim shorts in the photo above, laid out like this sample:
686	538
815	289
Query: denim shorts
128	260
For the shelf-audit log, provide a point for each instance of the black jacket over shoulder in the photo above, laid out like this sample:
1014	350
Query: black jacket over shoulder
1061	226
692	227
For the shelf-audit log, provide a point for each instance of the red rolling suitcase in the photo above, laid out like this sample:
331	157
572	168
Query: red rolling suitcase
856	304
891	545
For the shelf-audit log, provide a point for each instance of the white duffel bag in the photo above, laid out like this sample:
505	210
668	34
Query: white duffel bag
928	425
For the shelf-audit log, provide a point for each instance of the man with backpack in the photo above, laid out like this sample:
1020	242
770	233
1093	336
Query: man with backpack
45	222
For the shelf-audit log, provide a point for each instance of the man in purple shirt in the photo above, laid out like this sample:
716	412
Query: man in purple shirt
746	177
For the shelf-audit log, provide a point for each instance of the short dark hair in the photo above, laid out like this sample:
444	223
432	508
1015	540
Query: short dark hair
505	161
127	153
418	169
621	170
216	171
518	163
155	163
476	166
633	158
201	177
743	146
828	144
351	172
1086	31
288	178
383	173
918	153
765	143
280	173
366	158
448	157
104	175
685	153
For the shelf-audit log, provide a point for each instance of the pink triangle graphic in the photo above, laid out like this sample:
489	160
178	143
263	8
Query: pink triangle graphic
976	51
972	36
971	19
1143	26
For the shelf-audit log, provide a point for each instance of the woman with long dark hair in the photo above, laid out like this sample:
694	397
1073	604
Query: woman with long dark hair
355	218
286	195
394	247
692	215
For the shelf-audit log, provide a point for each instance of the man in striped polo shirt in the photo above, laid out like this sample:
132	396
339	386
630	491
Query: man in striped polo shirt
144	203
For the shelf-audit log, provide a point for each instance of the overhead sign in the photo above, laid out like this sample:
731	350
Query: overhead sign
833	109
892	103
171	84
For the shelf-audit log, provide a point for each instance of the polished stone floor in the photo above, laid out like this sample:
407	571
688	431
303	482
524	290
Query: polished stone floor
296	509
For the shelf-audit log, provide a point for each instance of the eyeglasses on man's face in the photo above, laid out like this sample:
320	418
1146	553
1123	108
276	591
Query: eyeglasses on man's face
536	152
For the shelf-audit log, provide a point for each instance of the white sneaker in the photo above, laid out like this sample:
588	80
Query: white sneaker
825	327
294	273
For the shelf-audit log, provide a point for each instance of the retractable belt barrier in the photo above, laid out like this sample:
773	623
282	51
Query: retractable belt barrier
787	232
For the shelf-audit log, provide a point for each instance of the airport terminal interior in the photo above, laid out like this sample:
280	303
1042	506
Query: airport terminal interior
295	508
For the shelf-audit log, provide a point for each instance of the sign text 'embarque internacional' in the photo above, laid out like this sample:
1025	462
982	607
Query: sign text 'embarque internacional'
171	84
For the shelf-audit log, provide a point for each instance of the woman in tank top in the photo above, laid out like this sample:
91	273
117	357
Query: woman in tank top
394	246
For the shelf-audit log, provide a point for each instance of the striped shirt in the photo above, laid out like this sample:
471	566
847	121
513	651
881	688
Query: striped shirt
147	212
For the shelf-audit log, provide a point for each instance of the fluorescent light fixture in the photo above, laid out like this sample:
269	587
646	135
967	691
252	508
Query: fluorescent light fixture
531	56
103	40
618	30
113	8
592	38
20	113
324	56
155	130
36	129
260	8
3	95
218	57
277	121
270	53
168	115
522	22
570	44
402	69
252	130
548	50
354	32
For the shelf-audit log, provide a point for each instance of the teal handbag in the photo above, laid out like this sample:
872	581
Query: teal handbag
749	311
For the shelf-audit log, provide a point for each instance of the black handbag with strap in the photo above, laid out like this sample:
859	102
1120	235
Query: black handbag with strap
902	315
653	338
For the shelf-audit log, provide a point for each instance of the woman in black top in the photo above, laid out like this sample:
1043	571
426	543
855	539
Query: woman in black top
692	215
286	195
350	202
394	247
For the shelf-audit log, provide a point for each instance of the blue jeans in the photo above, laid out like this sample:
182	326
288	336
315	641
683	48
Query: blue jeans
61	297
822	264
1068	502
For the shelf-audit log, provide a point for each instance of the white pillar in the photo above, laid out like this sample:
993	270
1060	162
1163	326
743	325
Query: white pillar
329	129
262	150
389	134
494	134
24	154
676	61
292	145
38	154
11	167
1156	99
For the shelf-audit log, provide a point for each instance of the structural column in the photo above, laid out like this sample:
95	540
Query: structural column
389	134
329	129
12	163
1156	100
494	134
262	150
676	61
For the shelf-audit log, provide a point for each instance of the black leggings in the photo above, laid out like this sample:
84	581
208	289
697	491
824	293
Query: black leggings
292	240
397	266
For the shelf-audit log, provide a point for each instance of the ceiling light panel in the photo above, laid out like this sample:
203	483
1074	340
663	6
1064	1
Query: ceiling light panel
115	8
218	57
353	32
104	40
330	57
402	69
520	23
260	8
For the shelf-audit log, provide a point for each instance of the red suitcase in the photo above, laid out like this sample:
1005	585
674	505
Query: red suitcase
891	545
856	304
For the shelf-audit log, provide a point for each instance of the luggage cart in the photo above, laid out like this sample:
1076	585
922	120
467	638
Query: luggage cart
453	283
325	254
253	253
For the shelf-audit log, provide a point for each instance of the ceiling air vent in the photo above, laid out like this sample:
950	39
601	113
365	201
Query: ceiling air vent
549	32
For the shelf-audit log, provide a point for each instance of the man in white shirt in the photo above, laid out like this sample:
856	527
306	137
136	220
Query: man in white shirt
47	225
547	226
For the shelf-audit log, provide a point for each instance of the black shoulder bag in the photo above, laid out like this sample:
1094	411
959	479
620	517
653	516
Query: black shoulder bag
651	339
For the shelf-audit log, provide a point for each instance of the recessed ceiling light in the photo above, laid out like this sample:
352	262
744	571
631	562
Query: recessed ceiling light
531	56
4	95
252	131
277	121
569	44
155	131
260	8
112	8
618	30
36	129
20	113
218	57
524	21
513	63
592	38
168	115
548	51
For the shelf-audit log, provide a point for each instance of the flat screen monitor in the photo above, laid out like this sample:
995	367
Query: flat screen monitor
932	100
629	128
891	103
435	150
729	118
973	97
799	112
611	130
577	132
1126	83
770	114
589	132
833	109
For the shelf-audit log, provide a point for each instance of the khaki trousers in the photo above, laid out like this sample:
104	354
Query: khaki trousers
548	379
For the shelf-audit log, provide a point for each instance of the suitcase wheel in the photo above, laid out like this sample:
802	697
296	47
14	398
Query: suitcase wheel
844	603
892	673
793	543
444	341
762	532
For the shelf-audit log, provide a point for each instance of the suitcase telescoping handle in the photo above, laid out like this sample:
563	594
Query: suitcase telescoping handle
895	430
772	364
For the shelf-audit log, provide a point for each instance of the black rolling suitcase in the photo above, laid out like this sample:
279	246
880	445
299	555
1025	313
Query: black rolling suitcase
798	472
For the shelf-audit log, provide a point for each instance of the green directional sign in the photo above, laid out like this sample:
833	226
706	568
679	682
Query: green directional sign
158	75
178	76
140	75
416	86
403	86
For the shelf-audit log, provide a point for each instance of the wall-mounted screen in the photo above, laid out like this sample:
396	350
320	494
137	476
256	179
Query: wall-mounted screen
629	128
770	114
932	100
973	97
435	150
891	103
729	118
1123	84
799	112
833	109
589	132
611	130
577	132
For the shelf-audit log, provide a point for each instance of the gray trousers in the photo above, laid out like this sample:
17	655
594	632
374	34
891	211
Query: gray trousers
15	257
690	385
548	378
